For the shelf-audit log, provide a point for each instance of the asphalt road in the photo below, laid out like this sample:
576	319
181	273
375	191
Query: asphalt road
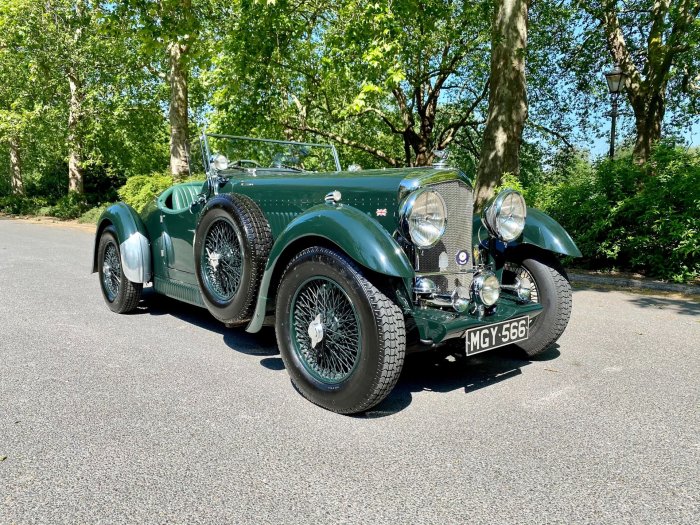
164	416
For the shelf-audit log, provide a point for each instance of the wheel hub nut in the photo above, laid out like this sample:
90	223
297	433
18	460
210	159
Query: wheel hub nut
315	331
213	259
523	292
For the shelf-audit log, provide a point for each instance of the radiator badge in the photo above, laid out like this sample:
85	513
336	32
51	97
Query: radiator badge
381	212
462	257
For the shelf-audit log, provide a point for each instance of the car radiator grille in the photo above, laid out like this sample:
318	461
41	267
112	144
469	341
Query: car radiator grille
440	261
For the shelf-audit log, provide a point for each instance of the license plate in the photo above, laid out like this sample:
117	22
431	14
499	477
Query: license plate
500	334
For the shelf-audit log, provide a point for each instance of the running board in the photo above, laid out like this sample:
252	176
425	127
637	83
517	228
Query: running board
187	293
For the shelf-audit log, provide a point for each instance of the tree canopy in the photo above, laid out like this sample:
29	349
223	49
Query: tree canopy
93	92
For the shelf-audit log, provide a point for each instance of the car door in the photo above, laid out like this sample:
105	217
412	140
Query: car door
178	223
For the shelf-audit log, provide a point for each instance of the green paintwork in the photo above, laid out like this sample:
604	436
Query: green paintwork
285	196
359	235
125	221
540	230
293	203
543	231
437	325
356	233
187	293
176	230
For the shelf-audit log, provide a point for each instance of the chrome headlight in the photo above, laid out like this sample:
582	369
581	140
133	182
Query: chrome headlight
504	216
219	162
487	287
423	217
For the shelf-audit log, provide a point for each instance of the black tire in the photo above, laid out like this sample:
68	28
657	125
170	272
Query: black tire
380	337
549	287
229	288
120	294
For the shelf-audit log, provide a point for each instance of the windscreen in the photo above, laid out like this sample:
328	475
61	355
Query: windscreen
262	154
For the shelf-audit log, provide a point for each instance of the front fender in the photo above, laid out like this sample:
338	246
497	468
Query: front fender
132	236
361	237
540	230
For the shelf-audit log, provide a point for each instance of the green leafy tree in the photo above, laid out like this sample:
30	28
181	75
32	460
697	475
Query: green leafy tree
372	76
657	45
173	39
71	93
24	104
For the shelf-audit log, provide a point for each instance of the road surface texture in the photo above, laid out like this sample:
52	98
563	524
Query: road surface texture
165	416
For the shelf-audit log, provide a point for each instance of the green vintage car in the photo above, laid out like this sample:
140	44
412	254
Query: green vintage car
354	268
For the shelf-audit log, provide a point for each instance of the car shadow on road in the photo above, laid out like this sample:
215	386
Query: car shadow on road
446	371
443	370
261	344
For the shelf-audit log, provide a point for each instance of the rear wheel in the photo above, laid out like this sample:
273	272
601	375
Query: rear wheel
549	286
120	294
341	339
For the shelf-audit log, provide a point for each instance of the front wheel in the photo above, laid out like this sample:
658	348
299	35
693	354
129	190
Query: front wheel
549	286
341	339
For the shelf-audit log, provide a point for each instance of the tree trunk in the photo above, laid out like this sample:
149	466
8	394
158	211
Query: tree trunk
16	167
418	145
424	157
75	162
648	117
500	150
178	111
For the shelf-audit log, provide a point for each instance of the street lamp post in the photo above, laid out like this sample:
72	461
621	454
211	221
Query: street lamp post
616	81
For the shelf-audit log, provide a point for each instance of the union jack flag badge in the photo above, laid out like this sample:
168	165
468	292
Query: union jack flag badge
381	212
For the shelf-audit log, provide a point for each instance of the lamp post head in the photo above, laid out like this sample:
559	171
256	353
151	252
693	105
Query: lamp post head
615	79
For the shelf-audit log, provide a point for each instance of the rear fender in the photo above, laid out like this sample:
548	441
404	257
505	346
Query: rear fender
356	234
132	236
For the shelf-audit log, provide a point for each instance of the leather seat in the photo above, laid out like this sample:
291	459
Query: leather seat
183	195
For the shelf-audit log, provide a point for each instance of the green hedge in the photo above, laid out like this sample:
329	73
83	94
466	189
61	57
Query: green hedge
140	190
137	192
69	206
20	205
630	217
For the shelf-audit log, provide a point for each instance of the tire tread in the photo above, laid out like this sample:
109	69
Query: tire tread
132	296
548	334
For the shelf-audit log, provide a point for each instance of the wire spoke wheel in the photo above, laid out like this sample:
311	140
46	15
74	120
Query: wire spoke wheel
342	340
514	273
325	330
111	271
221	260
549	286
121	295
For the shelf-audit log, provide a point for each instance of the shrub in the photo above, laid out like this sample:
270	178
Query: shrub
509	181
21	205
631	217
70	206
91	216
140	190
